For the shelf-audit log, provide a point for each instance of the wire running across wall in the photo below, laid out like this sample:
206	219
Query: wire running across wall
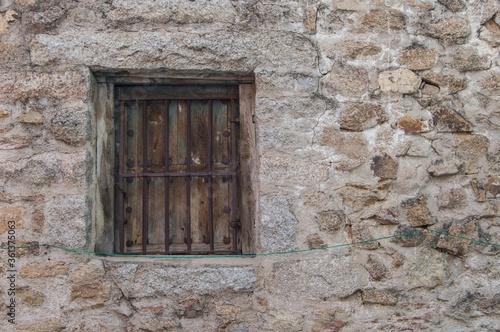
424	231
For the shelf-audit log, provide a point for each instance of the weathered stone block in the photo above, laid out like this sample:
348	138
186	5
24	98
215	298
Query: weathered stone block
429	269
359	196
278	224
352	49
362	116
66	222
168	280
449	198
382	20
93	270
4	114
60	85
408	240
360	232
69	126
331	221
37	221
490	32
456	29
384	167
492	188
413	126
418	59
347	81
47	269
453	5
447	83
401	80
471	145
376	268
447	120
444	168
352	145
284	171
315	241
469	59
463	228
97	291
30	297
417	212
333	277
31	117
11	213
379	296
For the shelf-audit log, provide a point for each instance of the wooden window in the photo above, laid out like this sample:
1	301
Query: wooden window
183	157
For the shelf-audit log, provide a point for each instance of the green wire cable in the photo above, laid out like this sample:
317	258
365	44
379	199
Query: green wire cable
253	255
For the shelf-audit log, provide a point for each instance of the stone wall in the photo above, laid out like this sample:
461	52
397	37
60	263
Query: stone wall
375	118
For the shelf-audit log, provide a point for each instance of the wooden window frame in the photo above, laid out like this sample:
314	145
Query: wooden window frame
106	230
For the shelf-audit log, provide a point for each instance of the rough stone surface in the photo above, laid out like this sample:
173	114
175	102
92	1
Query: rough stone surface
334	277
278	224
352	145
331	221
43	270
376	268
384	167
31	298
490	32
428	270
455	29
4	113
361	117
315	241
69	126
456	246
401	80
346	81
418	59
413	126
468	59
31	117
383	297
37	221
413	239
471	145
453	5
447	120
384	20
444	168
97	291
418	213
447	83
449	198
13	213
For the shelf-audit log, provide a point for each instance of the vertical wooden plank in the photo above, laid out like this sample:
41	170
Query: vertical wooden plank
248	167
199	123
133	213
166	208
145	179
172	133
120	176
156	136
156	212
177	213
220	147
181	133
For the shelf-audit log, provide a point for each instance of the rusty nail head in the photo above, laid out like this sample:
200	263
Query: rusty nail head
225	178
130	243
149	162
227	209
226	133
206	239
129	209
125	221
130	163
227	240
169	161
225	160
148	179
130	133
130	180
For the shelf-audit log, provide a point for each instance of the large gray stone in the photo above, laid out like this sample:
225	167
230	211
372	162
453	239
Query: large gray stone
164	279
66	223
318	279
278	225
